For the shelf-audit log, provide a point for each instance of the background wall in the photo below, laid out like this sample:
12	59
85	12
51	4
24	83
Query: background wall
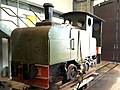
98	1
86	5
60	5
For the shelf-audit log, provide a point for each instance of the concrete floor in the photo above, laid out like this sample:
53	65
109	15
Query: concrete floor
111	81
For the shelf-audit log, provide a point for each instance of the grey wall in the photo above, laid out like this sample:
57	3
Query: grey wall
86	5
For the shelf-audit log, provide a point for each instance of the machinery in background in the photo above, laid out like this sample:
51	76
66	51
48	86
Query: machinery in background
50	53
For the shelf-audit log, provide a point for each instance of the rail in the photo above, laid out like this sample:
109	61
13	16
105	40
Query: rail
34	12
31	9
9	21
3	8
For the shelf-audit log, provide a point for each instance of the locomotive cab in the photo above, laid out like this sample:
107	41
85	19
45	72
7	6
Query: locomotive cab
52	52
90	27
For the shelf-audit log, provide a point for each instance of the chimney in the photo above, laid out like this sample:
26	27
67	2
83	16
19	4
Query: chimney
48	7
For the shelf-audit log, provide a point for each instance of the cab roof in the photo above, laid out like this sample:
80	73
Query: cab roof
81	13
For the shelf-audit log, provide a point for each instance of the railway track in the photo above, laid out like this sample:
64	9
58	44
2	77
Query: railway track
102	71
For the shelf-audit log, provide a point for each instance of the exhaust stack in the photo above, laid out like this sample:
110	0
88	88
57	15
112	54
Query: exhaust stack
48	7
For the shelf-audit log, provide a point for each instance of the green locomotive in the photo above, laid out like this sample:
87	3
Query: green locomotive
52	52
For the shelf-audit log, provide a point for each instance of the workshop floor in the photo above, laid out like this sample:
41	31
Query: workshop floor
111	81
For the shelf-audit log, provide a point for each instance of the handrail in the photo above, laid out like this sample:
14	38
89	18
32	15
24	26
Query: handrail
34	12
13	15
16	15
31	10
9	21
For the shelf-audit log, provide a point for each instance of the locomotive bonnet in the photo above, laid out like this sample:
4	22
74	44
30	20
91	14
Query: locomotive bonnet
53	52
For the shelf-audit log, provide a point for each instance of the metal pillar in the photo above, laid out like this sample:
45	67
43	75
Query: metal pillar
9	57
1	57
0	10
18	13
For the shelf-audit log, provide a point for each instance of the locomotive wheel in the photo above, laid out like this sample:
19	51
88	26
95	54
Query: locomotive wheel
25	88
86	66
71	72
